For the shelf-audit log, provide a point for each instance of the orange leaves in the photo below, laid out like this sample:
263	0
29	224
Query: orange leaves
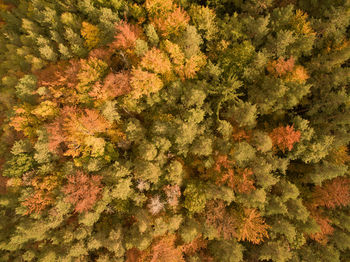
42	196
247	227
173	23
56	136
167	16
37	202
334	193
286	68
281	66
192	66
299	74
72	128
244	183
253	228
79	127
115	84
90	34
325	227
126	36
173	193
93	122
284	137
60	74
82	191
195	245
60	81
162	249
165	250
235	178
132	255
323	221
240	134
118	84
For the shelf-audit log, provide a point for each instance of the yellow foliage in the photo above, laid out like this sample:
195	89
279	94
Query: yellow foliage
14	182
192	66
301	25
163	117
115	134
340	156
144	83
46	109
24	121
156	61
159	7
204	19
173	23
91	70
90	34
175	52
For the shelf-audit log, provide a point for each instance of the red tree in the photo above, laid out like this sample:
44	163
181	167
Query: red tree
281	66
82	190
334	193
285	137
239	180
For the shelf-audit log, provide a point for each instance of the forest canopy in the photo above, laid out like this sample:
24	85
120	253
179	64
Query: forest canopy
175	130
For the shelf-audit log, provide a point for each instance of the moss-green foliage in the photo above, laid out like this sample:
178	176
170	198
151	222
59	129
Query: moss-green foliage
166	113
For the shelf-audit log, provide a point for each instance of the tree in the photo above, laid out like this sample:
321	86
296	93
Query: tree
285	137
174	130
332	194
42	196
126	36
224	222
90	34
281	66
82	191
144	83
253	227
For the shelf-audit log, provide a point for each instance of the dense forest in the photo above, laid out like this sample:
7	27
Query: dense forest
175	130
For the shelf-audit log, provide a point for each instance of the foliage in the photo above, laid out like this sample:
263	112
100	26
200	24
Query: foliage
284	137
82	191
332	194
90	34
253	228
165	130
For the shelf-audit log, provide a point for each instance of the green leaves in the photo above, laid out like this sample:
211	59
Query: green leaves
195	198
